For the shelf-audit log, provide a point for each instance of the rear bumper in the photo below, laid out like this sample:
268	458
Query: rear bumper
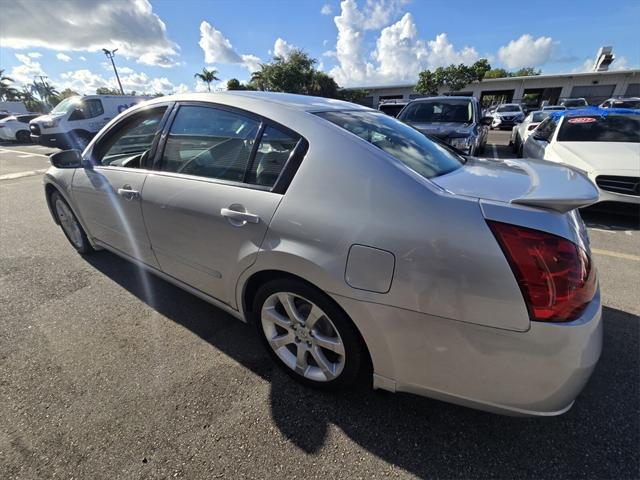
539	372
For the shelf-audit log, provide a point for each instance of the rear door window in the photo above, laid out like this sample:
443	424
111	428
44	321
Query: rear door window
210	142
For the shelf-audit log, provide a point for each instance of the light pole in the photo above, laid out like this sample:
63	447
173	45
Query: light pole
110	55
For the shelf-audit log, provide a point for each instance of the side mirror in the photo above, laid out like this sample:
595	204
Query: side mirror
486	121
67	159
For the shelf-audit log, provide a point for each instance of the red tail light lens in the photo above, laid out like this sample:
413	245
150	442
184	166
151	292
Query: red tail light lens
555	275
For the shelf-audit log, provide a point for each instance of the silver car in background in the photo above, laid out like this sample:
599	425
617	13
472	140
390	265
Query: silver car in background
354	243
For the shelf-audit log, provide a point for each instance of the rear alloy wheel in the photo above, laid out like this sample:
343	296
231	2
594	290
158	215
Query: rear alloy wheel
310	337
70	225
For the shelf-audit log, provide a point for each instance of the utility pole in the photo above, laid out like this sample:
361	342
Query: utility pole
110	55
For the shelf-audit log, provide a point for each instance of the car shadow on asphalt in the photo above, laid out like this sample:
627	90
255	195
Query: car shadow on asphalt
426	437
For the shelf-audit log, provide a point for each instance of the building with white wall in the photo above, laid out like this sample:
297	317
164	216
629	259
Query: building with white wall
596	87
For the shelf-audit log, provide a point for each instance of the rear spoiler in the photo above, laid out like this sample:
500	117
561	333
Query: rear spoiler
555	186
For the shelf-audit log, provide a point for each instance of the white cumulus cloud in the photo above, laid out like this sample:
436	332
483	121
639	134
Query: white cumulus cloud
326	9
79	25
400	54
85	81
62	57
526	52
218	49
281	48
34	54
25	73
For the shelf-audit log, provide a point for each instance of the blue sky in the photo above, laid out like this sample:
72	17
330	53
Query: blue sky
360	42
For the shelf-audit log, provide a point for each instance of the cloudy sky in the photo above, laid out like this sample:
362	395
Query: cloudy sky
161	44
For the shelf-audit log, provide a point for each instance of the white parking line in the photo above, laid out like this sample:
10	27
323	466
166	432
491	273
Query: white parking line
5	150
494	151
11	176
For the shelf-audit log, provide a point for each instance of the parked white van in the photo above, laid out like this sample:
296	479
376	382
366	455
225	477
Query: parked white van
75	120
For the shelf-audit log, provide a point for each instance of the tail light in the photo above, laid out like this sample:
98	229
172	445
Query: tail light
556	276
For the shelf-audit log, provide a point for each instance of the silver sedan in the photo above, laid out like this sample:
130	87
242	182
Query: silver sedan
355	244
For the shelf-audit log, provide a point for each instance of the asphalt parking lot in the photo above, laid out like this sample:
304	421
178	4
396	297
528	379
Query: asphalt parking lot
108	372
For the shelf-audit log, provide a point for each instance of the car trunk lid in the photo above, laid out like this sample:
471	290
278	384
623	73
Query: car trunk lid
535	183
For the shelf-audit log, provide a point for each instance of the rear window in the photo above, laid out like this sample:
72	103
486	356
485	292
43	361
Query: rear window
607	128
399	140
439	111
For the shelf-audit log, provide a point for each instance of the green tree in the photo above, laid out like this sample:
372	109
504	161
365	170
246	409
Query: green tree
30	101
235	84
7	92
427	83
108	91
353	95
207	76
480	68
527	72
502	73
453	77
323	85
66	93
497	73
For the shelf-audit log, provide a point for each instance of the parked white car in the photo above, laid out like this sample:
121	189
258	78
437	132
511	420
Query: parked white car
604	143
520	133
75	120
15	128
622	102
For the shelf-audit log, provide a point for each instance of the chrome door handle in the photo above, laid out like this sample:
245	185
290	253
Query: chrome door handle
128	193
239	218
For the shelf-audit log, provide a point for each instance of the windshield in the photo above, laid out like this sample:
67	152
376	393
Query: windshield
67	104
447	110
399	140
509	108
608	128
539	116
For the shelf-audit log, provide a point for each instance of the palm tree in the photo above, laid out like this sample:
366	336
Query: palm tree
258	79
207	76
7	92
29	99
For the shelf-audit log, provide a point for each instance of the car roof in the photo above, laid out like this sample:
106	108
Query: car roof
590	111
289	101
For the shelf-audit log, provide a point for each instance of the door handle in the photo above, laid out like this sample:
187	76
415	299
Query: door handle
128	193
239	218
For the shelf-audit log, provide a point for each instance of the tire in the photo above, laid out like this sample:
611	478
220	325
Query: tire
23	137
301	351
70	224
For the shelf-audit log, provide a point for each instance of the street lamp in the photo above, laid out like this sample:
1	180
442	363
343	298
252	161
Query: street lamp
110	55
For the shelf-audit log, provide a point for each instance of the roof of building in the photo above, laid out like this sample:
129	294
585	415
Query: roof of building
504	79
